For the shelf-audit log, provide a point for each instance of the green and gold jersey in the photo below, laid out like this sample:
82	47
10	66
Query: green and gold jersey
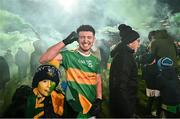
81	72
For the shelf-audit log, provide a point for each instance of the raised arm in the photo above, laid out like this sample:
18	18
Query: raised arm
53	51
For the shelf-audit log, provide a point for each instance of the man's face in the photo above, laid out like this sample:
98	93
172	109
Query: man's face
86	40
135	45
45	87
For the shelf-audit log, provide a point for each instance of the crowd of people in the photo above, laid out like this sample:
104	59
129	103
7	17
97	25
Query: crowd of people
82	97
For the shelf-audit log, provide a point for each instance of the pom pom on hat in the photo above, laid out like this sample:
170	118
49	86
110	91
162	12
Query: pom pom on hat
124	29
47	72
127	34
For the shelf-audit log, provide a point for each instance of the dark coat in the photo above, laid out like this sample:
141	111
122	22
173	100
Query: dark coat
4	71
149	74
169	85
123	82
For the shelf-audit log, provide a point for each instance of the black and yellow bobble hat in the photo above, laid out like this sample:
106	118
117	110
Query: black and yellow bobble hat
47	72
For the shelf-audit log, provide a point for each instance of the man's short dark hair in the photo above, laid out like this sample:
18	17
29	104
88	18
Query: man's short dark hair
86	28
151	35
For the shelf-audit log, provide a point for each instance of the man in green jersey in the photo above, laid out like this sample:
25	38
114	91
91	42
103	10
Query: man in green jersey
84	91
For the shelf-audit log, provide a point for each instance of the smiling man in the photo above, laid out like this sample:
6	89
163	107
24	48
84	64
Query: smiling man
84	92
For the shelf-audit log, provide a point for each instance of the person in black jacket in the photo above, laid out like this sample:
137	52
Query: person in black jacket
123	74
22	61
149	74
5	73
42	100
45	101
169	85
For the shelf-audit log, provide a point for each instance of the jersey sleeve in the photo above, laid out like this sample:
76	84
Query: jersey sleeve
64	58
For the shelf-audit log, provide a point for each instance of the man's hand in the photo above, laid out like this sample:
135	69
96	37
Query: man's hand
71	38
96	107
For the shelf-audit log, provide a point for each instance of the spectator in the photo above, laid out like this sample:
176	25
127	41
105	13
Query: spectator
42	100
45	102
22	61
159	45
123	74
5	74
39	48
9	57
149	74
169	85
10	60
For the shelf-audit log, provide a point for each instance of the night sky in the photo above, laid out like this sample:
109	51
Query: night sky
174	5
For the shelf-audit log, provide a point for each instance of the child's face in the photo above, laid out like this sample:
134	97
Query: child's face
45	87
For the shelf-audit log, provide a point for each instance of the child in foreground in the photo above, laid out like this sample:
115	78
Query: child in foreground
45	101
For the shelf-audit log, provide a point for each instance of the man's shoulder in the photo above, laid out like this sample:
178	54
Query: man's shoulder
94	57
68	51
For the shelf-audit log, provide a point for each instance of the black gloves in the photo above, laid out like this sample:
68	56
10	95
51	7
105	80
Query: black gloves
96	107
71	38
